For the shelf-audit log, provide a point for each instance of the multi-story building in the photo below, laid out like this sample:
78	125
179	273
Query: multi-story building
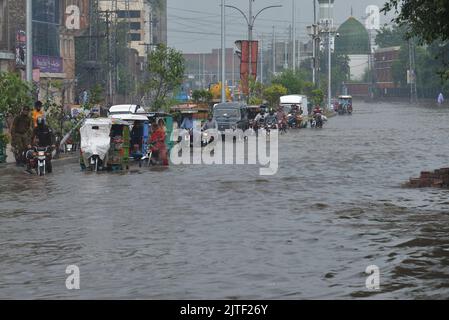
159	22
53	43
137	15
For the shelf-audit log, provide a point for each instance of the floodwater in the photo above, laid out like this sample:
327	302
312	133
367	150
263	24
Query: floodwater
334	208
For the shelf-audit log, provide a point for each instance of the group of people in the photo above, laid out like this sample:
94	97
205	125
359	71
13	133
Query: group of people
279	117
29	131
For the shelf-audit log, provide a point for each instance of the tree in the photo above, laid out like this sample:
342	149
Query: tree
273	93
204	96
14	94
292	81
391	36
316	97
166	69
426	19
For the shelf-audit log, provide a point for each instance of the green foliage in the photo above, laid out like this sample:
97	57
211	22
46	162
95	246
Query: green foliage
14	94
54	115
204	96
255	89
96	96
391	36
166	68
426	20
273	93
292	81
4	139
254	101
316	97
429	82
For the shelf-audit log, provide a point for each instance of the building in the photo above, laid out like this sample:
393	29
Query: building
137	14
204	69
53	43
354	41
384	59
159	22
12	23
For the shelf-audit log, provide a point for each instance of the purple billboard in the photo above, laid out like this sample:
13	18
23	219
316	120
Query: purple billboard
48	64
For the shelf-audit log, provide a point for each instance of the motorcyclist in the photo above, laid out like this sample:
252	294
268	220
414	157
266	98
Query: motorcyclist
271	118
317	110
21	133
260	116
43	137
43	133
187	123
211	123
37	113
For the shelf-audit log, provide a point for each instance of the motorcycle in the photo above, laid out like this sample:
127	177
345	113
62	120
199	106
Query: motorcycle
282	127
317	121
206	138
95	163
350	109
40	160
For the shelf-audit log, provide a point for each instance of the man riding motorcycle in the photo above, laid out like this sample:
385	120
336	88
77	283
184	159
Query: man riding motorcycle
271	118
42	137
317	117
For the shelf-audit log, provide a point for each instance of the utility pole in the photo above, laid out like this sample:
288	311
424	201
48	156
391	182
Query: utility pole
108	39
294	35
29	41
314	45
274	51
412	72
261	59
223	52
329	86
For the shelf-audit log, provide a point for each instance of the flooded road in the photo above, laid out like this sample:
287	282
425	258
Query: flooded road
213	232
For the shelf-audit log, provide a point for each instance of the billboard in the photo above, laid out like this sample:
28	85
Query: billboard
48	64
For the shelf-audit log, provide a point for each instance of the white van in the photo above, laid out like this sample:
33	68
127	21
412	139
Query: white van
300	100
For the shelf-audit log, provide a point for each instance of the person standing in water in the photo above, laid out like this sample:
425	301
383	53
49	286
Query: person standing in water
440	99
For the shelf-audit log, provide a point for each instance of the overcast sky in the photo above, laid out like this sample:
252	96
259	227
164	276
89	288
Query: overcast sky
194	26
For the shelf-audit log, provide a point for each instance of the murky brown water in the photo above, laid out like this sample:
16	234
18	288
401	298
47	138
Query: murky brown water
310	231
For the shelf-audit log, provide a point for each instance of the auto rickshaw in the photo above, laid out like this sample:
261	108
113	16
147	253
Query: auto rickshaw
344	105
139	134
104	144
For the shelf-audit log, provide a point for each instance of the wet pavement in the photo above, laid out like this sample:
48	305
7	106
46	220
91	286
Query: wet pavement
335	207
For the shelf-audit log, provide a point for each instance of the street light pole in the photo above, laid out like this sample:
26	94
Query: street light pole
250	21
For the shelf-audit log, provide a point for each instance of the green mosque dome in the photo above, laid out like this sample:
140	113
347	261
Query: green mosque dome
353	39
